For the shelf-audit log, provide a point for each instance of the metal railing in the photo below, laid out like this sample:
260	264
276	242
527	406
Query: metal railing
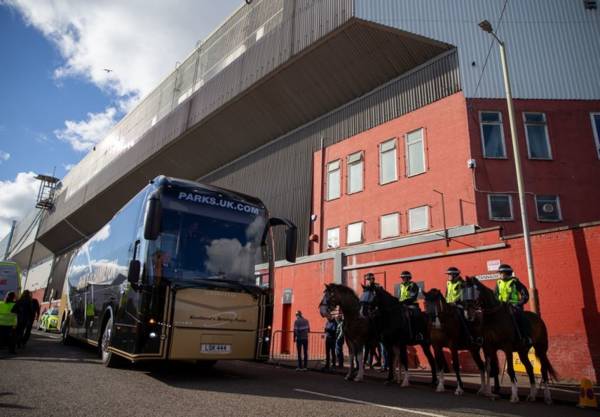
283	347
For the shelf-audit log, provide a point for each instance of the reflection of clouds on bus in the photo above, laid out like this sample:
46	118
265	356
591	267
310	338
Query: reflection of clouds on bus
98	271
230	257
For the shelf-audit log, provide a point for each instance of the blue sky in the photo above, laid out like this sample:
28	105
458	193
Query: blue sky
56	100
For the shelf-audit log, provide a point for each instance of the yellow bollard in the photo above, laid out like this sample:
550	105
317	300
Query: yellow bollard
587	399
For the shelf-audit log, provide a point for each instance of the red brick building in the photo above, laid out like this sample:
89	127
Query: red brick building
384	200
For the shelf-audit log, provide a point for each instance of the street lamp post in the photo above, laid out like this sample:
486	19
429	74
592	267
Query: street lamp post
487	27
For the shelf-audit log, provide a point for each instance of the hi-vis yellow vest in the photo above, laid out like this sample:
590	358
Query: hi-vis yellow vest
507	292
404	293
6	317
453	293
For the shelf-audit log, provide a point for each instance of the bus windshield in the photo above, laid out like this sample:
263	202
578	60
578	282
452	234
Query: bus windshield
209	244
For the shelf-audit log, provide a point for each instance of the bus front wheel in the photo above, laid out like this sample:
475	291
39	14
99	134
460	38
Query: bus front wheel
109	359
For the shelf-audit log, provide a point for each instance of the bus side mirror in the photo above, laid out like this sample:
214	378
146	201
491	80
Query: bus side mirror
291	243
152	220
133	275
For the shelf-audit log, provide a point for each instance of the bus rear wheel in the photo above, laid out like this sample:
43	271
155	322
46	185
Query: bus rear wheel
109	359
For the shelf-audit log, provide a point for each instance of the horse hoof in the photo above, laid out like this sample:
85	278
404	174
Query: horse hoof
357	379
405	384
481	391
531	398
388	382
440	389
514	399
458	392
548	401
347	377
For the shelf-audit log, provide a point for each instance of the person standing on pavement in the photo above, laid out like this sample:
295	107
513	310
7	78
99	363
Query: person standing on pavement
24	310
330	344
35	305
8	322
301	330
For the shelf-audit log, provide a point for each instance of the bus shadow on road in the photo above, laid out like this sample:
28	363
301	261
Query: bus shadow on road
47	348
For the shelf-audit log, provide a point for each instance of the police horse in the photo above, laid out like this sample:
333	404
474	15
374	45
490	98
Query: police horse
499	333
355	326
397	330
447	332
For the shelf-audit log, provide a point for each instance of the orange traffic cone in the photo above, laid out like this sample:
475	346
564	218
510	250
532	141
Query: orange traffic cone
587	399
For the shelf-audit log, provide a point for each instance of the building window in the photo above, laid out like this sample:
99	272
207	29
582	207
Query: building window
389	225
500	207
596	128
387	162
333	180
536	132
333	238
355	233
415	153
548	208
492	134
355	172
418	219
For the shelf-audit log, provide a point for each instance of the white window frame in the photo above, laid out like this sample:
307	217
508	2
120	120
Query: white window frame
362	233
329	171
596	133
397	232
500	123
356	158
537	213
381	152
408	216
510	205
545	124
338	238
407	156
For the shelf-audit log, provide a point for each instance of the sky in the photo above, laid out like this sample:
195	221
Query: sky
57	100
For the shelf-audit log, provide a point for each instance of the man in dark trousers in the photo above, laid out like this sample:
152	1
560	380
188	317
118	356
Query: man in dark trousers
301	330
330	344
35	305
24	310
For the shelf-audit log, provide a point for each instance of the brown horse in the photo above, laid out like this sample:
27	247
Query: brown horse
355	327
446	332
499	333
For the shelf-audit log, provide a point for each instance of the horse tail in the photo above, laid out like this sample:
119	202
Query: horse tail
541	344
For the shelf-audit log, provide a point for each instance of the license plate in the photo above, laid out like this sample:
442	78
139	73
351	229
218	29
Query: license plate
215	348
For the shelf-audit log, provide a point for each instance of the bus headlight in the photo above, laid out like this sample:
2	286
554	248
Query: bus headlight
152	335
267	339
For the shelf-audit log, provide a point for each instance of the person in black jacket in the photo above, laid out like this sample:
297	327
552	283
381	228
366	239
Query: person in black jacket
35	305
330	344
24	310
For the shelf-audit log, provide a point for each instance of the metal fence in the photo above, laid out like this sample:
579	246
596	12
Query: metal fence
283	347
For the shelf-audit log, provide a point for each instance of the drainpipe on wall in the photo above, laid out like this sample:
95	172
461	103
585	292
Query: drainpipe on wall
322	199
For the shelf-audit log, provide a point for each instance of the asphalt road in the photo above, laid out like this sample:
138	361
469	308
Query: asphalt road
49	379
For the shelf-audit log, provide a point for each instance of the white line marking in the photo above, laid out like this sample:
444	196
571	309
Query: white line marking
389	407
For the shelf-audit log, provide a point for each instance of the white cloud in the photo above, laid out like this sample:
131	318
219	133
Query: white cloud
139	41
4	156
17	197
68	167
83	135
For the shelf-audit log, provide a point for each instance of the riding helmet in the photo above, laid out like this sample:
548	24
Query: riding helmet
505	268
369	276
454	271
406	274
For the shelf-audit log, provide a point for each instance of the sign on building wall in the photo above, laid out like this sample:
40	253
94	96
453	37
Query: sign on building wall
487	277
493	265
288	294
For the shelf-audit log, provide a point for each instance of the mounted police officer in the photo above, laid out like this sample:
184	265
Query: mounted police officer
454	291
368	293
510	290
409	291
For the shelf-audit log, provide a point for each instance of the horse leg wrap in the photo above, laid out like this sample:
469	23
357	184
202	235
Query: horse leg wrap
547	394
514	392
440	387
532	393
405	382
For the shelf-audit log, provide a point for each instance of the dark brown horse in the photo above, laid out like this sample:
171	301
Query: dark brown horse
355	327
396	332
499	333
446	332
